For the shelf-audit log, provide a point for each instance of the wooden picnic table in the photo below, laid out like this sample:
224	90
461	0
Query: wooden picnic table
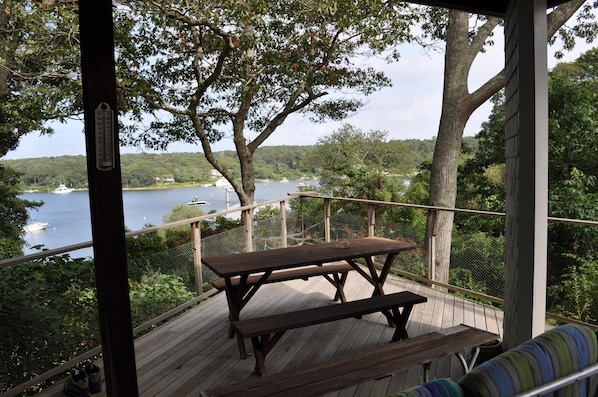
265	262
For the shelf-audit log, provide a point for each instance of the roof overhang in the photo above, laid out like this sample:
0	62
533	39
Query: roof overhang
496	8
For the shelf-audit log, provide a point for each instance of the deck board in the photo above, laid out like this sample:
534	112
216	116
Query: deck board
193	352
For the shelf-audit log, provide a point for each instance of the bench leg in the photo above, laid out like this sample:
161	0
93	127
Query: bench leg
241	344
426	372
261	347
468	366
399	320
260	356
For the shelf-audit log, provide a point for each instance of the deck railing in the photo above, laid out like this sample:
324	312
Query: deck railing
477	261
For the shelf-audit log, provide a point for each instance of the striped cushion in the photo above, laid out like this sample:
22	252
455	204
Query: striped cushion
594	378
553	354
436	388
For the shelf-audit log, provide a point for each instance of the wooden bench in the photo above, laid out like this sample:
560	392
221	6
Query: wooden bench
356	368
336	273
265	332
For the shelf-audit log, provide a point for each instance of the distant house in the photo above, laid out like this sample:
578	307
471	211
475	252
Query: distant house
214	174
166	179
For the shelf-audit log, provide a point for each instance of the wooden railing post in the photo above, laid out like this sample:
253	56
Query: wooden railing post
283	224
327	219
196	246
371	220
431	229
248	223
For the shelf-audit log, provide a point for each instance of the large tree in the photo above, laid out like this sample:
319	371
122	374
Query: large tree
13	214
39	67
355	164
202	71
466	37
38	83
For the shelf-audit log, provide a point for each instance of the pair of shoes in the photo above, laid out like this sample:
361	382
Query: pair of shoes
77	385
95	378
83	382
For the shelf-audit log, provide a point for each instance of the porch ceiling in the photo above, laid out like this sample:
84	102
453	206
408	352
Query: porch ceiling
489	7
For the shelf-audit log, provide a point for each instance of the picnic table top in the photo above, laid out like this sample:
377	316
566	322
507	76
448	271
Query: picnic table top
285	258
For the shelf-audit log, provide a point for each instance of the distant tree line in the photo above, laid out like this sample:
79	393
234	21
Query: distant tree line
146	170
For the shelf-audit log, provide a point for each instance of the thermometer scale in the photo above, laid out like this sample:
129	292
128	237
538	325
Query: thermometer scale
104	121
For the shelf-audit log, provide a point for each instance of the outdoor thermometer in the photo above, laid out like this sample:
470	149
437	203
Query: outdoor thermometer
104	119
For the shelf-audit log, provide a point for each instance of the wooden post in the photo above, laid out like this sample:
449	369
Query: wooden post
283	224
105	196
327	219
196	246
371	220
526	201
432	229
248	222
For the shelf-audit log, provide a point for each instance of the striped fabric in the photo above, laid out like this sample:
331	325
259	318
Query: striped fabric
436	388
549	356
594	378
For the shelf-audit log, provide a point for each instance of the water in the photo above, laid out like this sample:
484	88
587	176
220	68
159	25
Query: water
69	217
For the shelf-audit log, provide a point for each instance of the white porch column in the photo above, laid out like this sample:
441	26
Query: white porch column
527	170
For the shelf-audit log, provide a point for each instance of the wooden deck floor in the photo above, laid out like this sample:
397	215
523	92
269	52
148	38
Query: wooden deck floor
192	352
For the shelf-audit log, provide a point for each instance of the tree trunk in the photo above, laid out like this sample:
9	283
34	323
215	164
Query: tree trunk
457	106
454	116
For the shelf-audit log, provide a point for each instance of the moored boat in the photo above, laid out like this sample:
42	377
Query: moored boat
197	202
61	189
35	226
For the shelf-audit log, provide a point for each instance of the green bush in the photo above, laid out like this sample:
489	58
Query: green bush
576	295
156	294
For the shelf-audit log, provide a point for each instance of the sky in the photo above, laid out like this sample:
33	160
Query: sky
410	109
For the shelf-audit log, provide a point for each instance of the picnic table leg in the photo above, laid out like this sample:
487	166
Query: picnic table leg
234	297
338	280
237	298
341	279
377	279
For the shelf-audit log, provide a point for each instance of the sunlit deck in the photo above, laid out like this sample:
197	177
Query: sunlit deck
192	352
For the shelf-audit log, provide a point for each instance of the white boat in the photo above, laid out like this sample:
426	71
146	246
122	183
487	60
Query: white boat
35	226
284	180
61	189
197	202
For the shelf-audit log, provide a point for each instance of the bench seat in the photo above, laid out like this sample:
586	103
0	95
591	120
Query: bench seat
265	332
359	367
336	273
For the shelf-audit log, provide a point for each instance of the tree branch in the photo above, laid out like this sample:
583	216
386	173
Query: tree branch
556	19
486	91
280	118
561	14
480	38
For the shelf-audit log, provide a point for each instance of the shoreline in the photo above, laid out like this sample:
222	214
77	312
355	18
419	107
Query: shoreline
175	185
153	187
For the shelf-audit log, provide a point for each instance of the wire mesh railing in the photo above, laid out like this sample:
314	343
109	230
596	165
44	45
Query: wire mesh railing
48	311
